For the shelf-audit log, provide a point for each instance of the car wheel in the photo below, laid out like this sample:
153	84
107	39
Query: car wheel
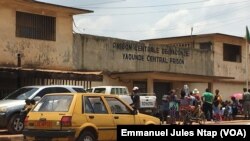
15	125
87	136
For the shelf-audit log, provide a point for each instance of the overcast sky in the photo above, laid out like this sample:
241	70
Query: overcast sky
148	19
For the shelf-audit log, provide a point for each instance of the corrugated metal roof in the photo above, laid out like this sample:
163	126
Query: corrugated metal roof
71	10
53	71
188	36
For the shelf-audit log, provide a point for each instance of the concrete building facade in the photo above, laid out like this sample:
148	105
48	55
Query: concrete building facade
215	61
228	56
36	46
36	35
23	31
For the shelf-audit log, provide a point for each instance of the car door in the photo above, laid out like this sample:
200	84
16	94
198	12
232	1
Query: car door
121	113
97	114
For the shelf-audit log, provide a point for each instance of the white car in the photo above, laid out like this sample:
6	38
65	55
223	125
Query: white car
120	91
11	105
147	101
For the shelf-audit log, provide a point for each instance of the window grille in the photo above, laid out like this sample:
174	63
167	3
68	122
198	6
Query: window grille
35	26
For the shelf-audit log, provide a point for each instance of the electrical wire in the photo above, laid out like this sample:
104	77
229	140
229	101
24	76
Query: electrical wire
208	25
150	6
161	11
100	3
216	14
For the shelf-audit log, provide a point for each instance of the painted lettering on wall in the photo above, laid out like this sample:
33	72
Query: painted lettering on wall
158	54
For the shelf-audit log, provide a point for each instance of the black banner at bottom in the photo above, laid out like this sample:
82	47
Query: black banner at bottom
201	132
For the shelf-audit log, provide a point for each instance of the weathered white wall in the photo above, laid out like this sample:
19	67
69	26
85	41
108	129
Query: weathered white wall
35	53
220	67
98	53
200	86
226	68
110	81
227	89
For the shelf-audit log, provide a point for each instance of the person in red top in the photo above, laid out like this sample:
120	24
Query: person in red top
185	102
197	102
197	96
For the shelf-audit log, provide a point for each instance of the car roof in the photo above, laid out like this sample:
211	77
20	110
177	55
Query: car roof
109	87
48	86
84	94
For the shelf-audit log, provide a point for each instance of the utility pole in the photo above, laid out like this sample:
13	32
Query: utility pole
247	46
247	53
192	41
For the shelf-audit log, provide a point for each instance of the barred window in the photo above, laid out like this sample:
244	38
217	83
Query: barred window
232	53
206	46
35	26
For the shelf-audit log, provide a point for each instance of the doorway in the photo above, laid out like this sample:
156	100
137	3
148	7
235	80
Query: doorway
161	88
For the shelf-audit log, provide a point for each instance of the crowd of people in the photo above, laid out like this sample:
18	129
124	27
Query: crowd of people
212	105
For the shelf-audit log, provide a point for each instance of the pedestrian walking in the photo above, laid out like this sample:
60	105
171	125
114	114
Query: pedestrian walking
197	96
165	108
234	105
246	103
173	107
135	98
216	105
207	99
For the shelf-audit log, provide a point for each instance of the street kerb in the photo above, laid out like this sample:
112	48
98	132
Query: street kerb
11	137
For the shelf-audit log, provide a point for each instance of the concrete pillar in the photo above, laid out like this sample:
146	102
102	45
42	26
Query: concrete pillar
150	85
210	87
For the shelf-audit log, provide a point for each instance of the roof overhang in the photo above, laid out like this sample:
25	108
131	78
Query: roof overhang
51	74
169	76
43	6
72	10
194	36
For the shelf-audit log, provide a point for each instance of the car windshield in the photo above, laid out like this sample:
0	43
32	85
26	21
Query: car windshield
89	90
54	103
21	94
99	90
79	90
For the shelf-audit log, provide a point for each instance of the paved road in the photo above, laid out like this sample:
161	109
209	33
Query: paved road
232	122
5	136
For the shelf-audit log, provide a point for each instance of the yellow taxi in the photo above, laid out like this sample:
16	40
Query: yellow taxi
81	117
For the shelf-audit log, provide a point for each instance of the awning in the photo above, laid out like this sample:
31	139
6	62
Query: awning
170	76
53	74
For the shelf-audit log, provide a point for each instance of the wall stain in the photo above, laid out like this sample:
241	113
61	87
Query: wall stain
43	52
